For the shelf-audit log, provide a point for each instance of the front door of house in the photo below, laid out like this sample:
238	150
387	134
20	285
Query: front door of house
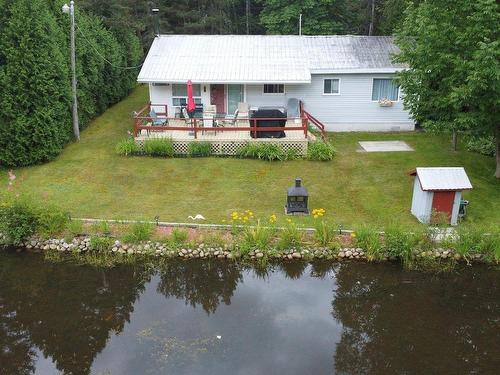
218	98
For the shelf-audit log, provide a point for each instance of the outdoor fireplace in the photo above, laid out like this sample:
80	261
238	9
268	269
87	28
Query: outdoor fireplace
297	196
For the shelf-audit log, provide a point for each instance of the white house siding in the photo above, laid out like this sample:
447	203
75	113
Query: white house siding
456	207
421	206
351	110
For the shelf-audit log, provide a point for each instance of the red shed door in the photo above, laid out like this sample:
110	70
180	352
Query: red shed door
443	201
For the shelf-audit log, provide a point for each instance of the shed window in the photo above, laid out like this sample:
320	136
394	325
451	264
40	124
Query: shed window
331	86
179	94
385	88
274	89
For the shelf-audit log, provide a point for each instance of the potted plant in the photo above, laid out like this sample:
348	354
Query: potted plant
385	102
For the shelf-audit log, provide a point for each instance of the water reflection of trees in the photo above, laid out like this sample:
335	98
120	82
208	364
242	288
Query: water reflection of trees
397	322
67	312
205	283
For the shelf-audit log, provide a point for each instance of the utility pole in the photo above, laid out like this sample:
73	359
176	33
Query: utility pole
247	13
71	10
372	19
300	24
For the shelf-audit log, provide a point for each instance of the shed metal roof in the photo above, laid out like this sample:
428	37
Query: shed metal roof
443	178
263	58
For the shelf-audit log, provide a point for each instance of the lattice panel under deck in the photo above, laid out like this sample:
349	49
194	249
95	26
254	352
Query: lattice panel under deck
232	147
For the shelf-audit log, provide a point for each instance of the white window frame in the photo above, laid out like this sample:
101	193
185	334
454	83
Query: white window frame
371	93
185	97
274	93
331	79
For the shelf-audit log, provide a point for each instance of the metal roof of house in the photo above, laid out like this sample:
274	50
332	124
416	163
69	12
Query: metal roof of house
263	58
443	178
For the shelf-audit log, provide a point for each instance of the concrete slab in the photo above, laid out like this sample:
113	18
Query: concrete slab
384	146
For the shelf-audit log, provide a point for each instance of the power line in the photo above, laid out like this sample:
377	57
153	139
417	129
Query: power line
102	56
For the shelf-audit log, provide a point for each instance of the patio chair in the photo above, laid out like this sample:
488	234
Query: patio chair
208	116
230	121
157	121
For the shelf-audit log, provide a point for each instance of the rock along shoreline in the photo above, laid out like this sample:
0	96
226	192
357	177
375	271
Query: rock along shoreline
82	245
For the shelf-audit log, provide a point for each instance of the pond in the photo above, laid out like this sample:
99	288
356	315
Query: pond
201	317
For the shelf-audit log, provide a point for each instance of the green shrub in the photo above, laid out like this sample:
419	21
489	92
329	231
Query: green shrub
290	237
265	151
399	243
100	244
324	233
139	232
477	240
127	147
199	149
320	151
159	147
256	237
178	237
482	145
51	221
18	221
368	239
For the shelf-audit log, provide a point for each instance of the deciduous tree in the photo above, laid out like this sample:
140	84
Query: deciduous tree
452	48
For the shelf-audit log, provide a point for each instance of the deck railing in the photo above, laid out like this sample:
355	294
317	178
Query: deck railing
196	124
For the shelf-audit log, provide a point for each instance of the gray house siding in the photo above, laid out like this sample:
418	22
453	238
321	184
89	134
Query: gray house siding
351	110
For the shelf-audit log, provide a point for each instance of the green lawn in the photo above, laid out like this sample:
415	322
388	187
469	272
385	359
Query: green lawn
90	180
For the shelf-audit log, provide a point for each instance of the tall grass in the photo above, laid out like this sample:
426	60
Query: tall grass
290	237
256	237
369	240
138	232
127	147
199	149
320	151
400	243
159	147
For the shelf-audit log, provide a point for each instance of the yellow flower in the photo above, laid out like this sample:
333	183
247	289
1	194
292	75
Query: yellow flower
353	234
245	218
315	216
289	220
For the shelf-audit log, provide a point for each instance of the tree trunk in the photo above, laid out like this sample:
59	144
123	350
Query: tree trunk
372	19
247	14
497	139
454	140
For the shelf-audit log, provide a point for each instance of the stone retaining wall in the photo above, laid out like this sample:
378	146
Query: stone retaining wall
159	249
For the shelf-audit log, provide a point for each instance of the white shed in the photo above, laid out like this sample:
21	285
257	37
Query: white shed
440	190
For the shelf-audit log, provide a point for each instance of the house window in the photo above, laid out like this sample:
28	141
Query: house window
179	94
274	89
385	88
331	86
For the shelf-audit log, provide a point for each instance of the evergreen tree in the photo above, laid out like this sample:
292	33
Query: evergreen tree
35	116
453	50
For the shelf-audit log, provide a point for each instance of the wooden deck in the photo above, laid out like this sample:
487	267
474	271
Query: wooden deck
217	134
228	136
224	142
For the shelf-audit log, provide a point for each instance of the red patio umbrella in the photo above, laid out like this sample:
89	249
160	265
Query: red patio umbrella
191	106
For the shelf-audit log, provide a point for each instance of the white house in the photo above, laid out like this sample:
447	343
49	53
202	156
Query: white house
346	82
